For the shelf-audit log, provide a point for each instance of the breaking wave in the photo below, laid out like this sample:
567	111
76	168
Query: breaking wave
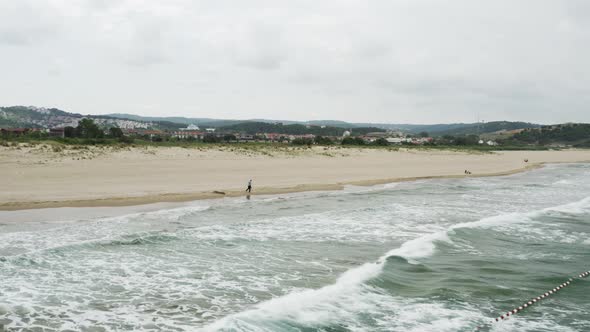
350	294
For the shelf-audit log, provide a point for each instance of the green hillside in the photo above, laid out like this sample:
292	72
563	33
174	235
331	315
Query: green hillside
22	117
483	128
574	134
34	117
202	122
294	129
433	129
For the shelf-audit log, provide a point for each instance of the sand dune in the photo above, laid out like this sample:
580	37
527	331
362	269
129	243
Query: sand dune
36	177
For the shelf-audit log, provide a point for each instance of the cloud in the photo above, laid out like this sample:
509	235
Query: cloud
24	23
260	47
380	60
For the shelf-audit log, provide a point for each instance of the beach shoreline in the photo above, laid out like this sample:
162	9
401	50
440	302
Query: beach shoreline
60	189
188	197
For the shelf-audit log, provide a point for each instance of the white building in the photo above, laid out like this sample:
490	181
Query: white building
396	140
191	127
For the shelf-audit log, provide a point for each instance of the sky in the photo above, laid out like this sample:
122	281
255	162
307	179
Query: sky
394	61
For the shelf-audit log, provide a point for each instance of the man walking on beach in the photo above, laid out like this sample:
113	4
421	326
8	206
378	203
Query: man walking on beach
249	189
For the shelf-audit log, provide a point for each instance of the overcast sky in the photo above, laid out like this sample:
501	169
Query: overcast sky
397	61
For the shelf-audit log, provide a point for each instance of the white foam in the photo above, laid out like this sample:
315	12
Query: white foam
391	185
343	306
312	306
519	323
177	213
499	220
578	207
424	246
418	248
565	182
350	225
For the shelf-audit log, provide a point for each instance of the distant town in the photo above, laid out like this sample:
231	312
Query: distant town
214	135
31	123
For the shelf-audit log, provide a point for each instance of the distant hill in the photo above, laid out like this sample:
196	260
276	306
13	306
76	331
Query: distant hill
572	134
216	123
483	128
336	123
294	129
455	129
36	117
202	122
433	129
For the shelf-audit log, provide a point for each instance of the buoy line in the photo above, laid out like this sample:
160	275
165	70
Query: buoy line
534	300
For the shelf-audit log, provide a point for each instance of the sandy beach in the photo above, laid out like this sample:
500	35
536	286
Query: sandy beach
42	176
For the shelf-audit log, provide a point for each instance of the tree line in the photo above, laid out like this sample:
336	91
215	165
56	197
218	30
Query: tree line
575	133
253	128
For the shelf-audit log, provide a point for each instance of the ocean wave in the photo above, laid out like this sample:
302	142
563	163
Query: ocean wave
344	307
334	225
143	238
563	182
122	229
174	214
343	304
139	240
347	295
578	207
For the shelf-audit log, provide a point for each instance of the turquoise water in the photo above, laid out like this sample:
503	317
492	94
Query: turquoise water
437	255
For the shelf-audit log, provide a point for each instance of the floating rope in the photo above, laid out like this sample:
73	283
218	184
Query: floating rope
534	300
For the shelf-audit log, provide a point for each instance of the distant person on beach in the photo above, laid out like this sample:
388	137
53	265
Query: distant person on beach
249	189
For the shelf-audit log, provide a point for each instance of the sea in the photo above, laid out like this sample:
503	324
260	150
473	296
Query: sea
428	255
